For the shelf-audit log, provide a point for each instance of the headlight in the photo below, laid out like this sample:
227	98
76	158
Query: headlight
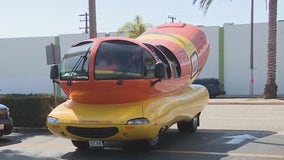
138	121
52	120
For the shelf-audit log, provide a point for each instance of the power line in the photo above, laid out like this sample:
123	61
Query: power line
86	20
172	18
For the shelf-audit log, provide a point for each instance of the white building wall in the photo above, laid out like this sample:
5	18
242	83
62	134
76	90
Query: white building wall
280	58
260	58
237	76
67	40
211	68
236	59
23	66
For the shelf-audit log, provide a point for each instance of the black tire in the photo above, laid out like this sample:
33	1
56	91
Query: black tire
153	143
149	144
210	94
81	144
188	126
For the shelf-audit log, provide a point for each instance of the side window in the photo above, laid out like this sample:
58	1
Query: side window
194	64
173	60
149	63
161	57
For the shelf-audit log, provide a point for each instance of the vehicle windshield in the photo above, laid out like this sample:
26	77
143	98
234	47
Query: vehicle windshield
123	60
75	64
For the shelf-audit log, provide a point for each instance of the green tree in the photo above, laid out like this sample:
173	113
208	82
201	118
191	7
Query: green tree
134	29
270	89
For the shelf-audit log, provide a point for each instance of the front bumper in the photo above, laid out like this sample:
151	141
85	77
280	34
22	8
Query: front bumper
104	132
79	121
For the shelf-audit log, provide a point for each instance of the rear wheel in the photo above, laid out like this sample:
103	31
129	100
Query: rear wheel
188	126
81	144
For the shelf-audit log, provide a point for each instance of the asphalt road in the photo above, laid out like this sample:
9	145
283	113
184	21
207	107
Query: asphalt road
229	132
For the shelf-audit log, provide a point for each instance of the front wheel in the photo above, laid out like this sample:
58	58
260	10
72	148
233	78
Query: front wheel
188	126
81	144
150	144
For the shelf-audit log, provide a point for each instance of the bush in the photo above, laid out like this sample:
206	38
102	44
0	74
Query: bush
29	110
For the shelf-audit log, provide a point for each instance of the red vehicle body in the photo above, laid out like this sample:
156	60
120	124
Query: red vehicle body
183	48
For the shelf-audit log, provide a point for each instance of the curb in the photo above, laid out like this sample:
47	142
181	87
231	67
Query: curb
246	101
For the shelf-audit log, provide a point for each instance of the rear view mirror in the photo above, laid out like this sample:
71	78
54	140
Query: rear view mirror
160	70
54	72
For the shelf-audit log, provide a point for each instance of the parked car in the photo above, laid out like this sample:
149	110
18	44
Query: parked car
6	122
213	85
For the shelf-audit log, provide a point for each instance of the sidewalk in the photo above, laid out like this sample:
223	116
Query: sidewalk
248	101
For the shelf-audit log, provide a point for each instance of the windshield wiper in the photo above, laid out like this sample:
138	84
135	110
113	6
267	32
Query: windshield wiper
126	70
83	59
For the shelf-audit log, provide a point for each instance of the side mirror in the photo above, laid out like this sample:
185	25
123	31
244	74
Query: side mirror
160	70
54	72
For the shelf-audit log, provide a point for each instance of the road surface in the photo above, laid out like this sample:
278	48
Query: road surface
227	132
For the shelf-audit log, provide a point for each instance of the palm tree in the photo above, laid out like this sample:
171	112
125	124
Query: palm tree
203	4
270	89
134	29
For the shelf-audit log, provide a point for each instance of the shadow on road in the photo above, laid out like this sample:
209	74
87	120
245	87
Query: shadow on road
204	144
5	141
17	137
21	134
17	155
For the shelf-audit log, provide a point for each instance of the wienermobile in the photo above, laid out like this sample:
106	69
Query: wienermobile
123	89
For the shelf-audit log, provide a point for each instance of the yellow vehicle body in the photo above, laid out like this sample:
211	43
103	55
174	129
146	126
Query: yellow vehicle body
110	122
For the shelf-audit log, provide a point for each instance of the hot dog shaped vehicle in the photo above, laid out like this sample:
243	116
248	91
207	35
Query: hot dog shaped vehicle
123	89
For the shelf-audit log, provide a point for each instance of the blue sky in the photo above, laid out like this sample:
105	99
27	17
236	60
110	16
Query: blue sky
33	18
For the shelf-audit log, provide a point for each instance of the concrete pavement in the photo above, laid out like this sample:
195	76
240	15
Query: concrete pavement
243	101
231	132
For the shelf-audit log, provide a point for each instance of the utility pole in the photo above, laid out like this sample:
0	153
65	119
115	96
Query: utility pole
93	20
251	49
172	18
86	20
